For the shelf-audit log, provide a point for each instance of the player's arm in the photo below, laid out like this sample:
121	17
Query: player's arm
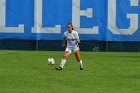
77	38
63	41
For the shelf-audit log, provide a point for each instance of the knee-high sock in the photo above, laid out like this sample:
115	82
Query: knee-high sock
63	61
81	64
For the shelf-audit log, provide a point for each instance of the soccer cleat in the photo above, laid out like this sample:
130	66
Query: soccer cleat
81	68
58	68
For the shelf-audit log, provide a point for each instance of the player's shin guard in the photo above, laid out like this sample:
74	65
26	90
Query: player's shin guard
63	61
81	64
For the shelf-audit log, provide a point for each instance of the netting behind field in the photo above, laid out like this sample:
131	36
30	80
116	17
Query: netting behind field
95	46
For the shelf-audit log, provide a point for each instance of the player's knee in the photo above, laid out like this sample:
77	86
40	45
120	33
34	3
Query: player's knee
64	57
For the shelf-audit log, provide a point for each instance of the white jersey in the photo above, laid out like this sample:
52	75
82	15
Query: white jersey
71	38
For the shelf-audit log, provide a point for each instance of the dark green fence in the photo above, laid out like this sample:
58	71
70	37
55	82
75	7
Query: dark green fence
56	45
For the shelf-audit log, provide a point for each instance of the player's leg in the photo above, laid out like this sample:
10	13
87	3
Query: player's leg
63	60
78	58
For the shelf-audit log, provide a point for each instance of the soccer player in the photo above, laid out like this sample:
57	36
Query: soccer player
72	38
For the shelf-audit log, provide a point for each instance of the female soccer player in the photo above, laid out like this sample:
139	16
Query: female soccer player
72	38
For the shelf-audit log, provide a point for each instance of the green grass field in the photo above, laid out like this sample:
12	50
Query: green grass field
28	72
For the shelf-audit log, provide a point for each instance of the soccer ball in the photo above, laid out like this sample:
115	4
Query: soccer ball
51	61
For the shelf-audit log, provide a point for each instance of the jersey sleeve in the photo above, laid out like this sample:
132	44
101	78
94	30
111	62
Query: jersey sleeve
64	34
76	35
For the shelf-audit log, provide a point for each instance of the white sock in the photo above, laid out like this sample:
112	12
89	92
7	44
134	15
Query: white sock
81	64
63	61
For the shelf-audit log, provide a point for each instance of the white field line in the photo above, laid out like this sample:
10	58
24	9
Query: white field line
6	52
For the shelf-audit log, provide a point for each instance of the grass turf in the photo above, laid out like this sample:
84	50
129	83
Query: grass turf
28	72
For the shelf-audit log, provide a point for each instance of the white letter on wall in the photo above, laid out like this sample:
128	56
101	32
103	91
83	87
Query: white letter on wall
112	19
38	21
3	28
76	13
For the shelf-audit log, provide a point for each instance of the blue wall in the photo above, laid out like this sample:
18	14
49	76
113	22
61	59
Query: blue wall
59	12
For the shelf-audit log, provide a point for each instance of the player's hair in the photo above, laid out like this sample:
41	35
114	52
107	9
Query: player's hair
71	25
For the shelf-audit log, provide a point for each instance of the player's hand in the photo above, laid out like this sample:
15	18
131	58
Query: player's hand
77	41
63	45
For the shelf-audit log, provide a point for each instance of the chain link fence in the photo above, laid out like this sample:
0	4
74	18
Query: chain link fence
48	45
